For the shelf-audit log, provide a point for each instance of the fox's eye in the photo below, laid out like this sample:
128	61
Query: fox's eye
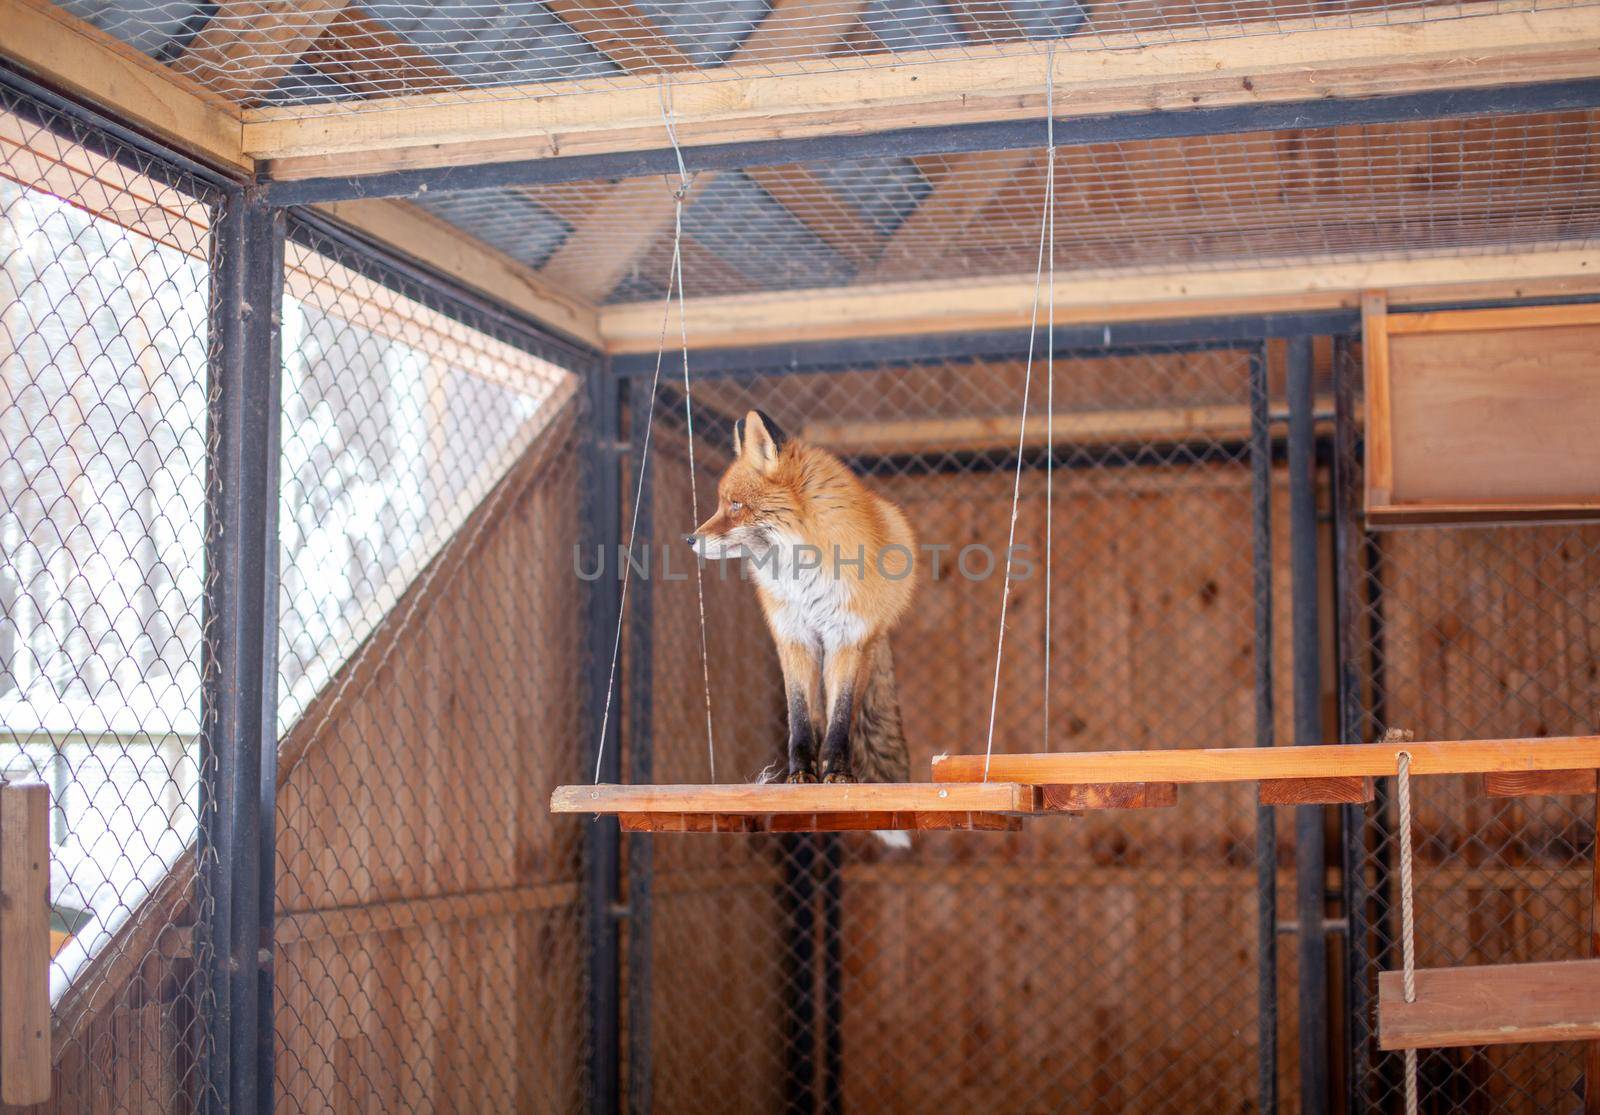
735	506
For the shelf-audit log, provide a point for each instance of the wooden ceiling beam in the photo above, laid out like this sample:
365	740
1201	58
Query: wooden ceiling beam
624	34
1005	302
249	45
1277	62
625	226
962	190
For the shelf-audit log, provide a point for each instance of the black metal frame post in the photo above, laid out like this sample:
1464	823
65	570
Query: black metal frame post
604	860
1266	816
241	618
641	756
1310	865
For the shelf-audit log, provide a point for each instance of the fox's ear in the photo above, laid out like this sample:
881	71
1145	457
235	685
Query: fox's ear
758	440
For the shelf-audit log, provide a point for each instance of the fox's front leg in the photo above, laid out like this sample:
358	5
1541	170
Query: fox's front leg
802	680
842	680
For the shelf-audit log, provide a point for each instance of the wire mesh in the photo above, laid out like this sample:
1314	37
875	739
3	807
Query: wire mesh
320	52
104	390
1263	199
1471	633
430	924
831	973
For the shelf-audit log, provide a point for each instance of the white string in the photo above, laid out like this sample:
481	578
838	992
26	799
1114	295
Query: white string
1045	228
674	279
1050	373
685	181
1408	929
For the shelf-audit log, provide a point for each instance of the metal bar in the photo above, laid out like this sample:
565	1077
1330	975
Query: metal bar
1120	338
1310	883
1266	816
832	974
1347	604
241	616
641	676
603	524
950	139
798	900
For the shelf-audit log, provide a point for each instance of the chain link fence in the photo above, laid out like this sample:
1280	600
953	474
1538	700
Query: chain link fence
105	300
430	925
827	972
1474	632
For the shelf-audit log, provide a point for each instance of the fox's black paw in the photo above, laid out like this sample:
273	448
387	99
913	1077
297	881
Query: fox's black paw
838	776
796	777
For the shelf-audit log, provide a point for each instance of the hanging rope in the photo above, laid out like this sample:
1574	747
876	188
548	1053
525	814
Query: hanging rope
1408	929
1050	372
1046	235
674	282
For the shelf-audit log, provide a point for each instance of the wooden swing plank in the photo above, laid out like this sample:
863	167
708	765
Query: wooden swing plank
1342	790
1082	798
1249	764
818	822
773	798
1499	1004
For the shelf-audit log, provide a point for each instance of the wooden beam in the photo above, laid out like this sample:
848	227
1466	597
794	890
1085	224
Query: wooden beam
25	1061
835	221
1511	317
445	248
359	50
770	798
249	45
1521	784
627	223
1218	422
1276	61
622	33
1497	1004
968	184
1251	764
1084	797
1341	790
819	822
1006	301
84	60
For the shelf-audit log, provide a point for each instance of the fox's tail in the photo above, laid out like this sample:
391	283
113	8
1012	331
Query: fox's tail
878	749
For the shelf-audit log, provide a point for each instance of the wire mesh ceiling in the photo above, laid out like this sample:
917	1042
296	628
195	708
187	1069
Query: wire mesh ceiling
1468	186
319	51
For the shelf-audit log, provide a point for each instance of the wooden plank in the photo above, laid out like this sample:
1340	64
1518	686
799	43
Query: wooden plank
689	822
1591	1051
430	240
1379	467
1500	1004
969	183
1342	790
249	45
768	798
1088	427
25	1060
1511	317
131	85
835	221
1081	797
1486	513
1006	301
1271	61
1517	784
623	227
1250	764
1504	417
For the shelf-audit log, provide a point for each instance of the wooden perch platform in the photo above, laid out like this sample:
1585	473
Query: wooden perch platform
780	807
1501	1004
1256	764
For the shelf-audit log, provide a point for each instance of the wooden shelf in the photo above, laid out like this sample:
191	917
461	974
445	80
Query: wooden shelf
1500	1004
1254	764
780	807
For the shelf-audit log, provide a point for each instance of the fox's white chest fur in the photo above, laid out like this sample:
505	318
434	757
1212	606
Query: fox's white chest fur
810	596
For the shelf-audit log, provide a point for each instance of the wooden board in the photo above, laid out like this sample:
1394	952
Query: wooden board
1006	301
819	822
775	798
1499	1004
1340	790
1519	784
24	943
1115	795
1269	61
1249	764
1482	416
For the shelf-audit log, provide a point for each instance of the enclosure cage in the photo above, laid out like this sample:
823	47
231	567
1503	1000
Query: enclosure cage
322	456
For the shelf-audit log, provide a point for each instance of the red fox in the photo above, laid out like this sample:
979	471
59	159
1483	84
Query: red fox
835	570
